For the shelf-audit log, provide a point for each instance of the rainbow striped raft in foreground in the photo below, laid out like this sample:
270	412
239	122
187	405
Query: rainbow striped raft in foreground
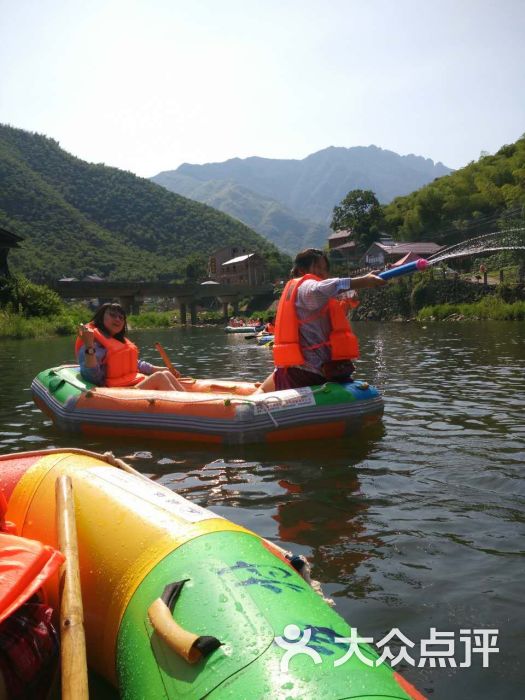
180	603
208	411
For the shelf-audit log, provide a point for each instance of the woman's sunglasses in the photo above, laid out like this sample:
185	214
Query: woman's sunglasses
116	315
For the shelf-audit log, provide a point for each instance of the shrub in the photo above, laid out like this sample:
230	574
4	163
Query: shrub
65	325
511	293
152	319
24	297
434	292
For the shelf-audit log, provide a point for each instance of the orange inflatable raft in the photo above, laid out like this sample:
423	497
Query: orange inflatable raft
208	411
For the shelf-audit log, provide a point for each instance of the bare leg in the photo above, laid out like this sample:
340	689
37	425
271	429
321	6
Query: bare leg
267	385
161	381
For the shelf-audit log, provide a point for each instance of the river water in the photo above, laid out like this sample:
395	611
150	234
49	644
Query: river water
415	524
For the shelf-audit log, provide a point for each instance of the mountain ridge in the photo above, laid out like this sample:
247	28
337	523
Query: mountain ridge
307	188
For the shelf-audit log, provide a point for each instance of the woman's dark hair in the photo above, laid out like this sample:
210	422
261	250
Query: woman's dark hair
98	319
305	259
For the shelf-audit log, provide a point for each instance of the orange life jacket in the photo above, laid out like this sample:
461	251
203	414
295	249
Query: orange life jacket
121	359
25	565
269	328
287	348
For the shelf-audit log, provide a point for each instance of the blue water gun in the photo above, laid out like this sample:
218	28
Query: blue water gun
414	266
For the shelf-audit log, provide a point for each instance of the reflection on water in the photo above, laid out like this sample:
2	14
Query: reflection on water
415	523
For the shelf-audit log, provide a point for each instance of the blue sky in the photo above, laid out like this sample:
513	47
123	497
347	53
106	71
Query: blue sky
146	85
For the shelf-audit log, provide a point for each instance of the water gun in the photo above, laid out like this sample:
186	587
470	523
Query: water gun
414	266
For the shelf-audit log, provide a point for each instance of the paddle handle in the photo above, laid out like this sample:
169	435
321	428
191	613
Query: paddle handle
167	360
72	639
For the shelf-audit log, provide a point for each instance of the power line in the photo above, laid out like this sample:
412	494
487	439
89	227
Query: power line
481	221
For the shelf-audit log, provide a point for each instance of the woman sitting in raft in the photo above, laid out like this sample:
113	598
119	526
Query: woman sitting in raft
107	358
313	340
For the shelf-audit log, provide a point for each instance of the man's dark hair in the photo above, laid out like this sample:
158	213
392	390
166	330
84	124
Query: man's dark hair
305	259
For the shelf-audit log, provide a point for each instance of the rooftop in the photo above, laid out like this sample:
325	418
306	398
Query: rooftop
346	246
240	259
421	247
9	239
343	233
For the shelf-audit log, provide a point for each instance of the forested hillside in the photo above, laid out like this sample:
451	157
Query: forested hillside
311	187
265	215
78	218
486	195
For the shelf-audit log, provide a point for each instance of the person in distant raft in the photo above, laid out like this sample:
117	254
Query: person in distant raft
270	326
313	340
107	358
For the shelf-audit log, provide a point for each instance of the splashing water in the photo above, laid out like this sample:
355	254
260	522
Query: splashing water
509	239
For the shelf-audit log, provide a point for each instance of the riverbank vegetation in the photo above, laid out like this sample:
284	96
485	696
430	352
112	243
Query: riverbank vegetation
18	326
29	310
394	303
489	308
422	296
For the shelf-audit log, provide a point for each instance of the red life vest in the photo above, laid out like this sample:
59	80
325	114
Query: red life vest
269	328
121	359
25	565
287	349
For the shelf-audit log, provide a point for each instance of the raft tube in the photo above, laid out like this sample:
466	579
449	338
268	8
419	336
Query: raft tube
237	593
208	411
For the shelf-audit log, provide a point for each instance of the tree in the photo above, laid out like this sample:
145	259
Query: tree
195	267
361	212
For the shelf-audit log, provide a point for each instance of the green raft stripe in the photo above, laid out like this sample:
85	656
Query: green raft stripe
241	593
64	383
333	393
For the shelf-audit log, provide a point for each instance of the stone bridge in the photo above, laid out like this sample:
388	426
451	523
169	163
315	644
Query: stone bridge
132	294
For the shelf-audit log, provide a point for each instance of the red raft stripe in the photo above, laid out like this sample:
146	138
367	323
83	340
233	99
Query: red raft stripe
14	469
408	687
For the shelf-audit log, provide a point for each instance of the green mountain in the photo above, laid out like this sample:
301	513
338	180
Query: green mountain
486	195
79	218
265	215
307	189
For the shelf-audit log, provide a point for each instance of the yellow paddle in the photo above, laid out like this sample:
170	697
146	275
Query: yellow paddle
72	638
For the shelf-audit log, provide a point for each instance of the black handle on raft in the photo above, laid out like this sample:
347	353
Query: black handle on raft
188	645
55	384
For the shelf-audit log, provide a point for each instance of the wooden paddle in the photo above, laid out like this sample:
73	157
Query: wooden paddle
72	639
167	360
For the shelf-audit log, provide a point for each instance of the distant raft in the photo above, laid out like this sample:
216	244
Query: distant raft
182	603
241	329
209	411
